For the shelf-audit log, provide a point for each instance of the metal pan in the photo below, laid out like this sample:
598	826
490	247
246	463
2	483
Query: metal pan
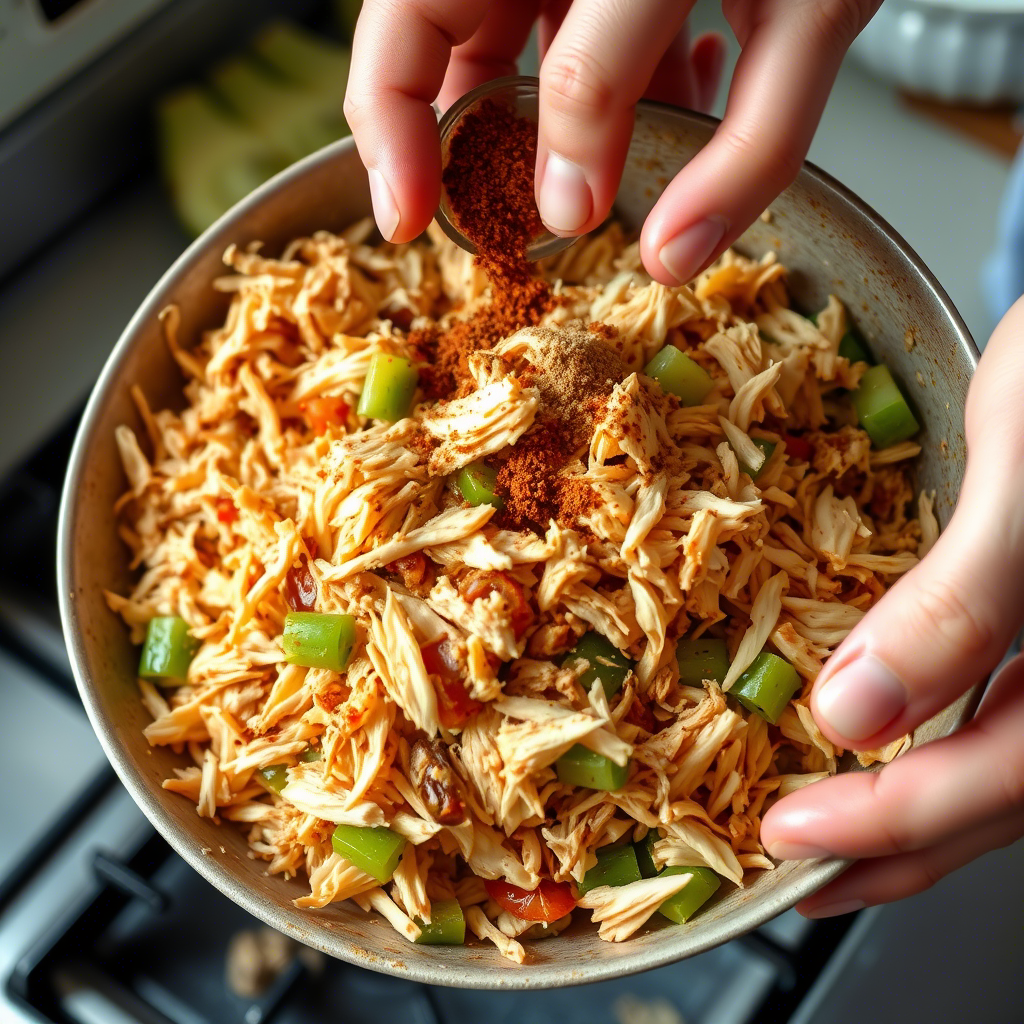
830	241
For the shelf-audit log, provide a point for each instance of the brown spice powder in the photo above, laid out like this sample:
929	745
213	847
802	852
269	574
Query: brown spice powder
488	180
489	183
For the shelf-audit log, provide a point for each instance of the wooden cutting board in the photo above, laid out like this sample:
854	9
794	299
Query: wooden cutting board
998	128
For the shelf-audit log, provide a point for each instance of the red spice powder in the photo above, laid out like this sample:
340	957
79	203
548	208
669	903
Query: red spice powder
489	183
488	180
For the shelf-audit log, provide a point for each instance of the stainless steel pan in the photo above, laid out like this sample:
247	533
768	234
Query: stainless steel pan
830	241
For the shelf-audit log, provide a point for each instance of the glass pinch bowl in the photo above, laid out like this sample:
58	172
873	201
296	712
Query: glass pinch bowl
521	94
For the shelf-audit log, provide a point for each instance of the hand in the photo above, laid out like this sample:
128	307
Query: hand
940	630
599	58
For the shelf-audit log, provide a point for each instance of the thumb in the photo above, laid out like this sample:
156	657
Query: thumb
948	622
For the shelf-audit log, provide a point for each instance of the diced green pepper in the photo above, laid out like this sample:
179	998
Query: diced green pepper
616	865
882	409
376	851
274	776
478	484
767	447
852	348
679	375
168	651
311	754
607	663
579	766
704	658
767	686
447	925
644	850
685	903
318	639
388	388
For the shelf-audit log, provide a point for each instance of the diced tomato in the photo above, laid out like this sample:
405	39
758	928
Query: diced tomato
226	511
454	705
481	583
325	412
548	902
439	658
798	447
300	587
412	568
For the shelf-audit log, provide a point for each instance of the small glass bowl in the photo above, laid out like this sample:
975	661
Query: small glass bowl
521	93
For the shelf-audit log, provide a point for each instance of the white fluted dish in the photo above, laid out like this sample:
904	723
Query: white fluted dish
959	51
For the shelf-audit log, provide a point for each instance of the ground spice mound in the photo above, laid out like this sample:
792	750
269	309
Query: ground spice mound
488	180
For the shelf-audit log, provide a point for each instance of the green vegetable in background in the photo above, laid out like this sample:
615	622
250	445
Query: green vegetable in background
209	159
295	119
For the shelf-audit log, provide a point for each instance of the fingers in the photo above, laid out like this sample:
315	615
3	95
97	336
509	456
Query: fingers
492	51
782	80
947	623
932	795
870	882
399	57
595	70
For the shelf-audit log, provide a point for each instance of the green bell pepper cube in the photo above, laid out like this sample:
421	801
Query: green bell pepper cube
478	484
579	766
376	851
616	865
679	375
685	903
767	447
644	850
388	389
447	925
704	658
318	639
274	776
168	651
882	408
767	686
607	663
852	348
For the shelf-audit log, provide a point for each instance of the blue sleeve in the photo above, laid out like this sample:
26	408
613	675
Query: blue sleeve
1002	276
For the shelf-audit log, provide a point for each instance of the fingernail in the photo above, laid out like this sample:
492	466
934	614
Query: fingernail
564	198
685	254
861	698
385	210
835	909
796	851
